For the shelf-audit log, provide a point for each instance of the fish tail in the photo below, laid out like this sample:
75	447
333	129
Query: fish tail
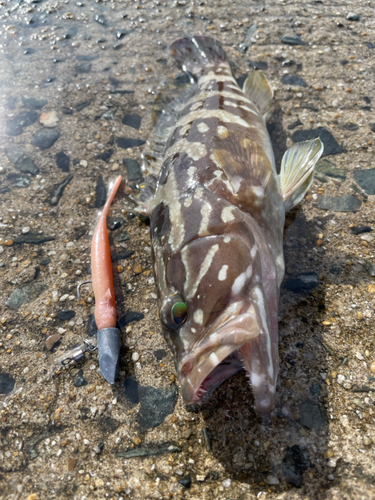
197	54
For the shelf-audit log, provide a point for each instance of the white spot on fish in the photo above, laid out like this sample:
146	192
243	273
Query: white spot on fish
222	131
223	273
194	330
232	104
240	281
262	311
195	150
257	190
205	214
192	290
196	105
257	379
220	114
214	358
188	201
198	316
203	127
227	239
254	251
227	214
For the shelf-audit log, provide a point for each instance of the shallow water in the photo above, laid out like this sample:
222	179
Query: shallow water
78	81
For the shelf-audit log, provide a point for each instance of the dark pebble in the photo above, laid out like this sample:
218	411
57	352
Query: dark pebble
81	105
118	46
372	127
66	315
86	57
19	181
186	481
149	452
66	110
370	45
344	62
369	268
122	255
84	67
293	80
262	65
346	203
160	354
99	18
14	154
304	282
91	329
11	102
125	143
312	415
16	124
27	166
361	229
123	237
100	192
58	190
110	114
105	156
331	146
336	270
366	179
62	161
296	460
45	261
28	51
121	33
292	40
326	168
6	383
351	126
351	16
156	405
80	379
131	390
33	238
25	294
113	224
45	138
314	390
133	169
32	103
129	317
79	233
295	124
133	121
288	62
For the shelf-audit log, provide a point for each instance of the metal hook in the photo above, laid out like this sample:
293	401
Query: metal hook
79	286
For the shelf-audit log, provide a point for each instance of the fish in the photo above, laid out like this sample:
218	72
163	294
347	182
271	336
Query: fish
217	210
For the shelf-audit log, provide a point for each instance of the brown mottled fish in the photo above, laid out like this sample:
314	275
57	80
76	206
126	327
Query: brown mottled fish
217	208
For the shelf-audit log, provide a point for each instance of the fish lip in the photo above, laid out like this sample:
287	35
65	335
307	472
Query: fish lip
225	340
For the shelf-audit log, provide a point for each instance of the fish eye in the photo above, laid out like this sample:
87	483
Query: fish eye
173	312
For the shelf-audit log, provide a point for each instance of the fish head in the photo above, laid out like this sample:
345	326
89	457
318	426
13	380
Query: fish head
213	313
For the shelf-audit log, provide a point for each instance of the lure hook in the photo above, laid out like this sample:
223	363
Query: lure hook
79	286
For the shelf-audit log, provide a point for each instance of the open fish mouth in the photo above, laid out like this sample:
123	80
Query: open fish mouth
217	358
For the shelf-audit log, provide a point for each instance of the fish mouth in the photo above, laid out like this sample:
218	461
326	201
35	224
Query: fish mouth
216	358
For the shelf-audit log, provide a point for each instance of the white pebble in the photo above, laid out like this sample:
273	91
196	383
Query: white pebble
58	453
135	356
1	249
226	483
25	230
83	163
64	297
340	379
78	272
359	356
61	330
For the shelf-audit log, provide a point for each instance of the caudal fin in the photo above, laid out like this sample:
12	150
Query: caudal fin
197	53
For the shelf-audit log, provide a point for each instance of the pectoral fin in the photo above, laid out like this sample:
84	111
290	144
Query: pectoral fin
297	170
257	88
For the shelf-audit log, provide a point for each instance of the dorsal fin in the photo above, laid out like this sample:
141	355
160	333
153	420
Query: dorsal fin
258	90
243	161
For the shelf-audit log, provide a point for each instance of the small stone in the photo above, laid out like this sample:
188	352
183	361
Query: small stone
82	105
25	230
296	460
135	356
185	481
331	146
272	480
137	268
126	143
292	40
27	166
49	119
352	16
72	462
372	367
227	483
133	121
160	354
367	441
83	68
134	170
326	168
129	317
25	294
45	138
346	203
32	103
66	315
293	80
361	229
304	282
80	380
312	415
105	156
83	163
64	297
366	180
52	340
33	239
6	383
149	452
62	161
200	478
262	65
156	405
58	190
295	124
16	124
131	390
341	379
351	126
15	154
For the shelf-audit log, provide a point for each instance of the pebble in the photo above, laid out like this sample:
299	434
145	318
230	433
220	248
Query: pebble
367	441
16	124
32	103
80	379
331	146
137	268
325	169
105	156
185	481
27	166
156	405
352	16
227	483
293	80
58	190
45	138
52	340
83	163
129	317
63	161
304	282
15	154
64	297
6	383
262	65
340	379
292	40
366	180
133	169
131	390
312	415
372	367
133	121
82	105
72	462
25	294
149	452
83	68
272	480
66	315
49	119
25	230
361	229
135	356
33	239
345	203
100	192
126	143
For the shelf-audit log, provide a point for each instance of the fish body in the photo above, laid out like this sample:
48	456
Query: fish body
217	209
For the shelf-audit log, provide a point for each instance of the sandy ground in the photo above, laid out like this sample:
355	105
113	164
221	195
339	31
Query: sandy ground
72	435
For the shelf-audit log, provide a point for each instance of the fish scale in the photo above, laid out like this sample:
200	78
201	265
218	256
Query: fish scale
217	209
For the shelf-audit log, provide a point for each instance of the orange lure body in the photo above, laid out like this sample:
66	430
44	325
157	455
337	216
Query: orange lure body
101	268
